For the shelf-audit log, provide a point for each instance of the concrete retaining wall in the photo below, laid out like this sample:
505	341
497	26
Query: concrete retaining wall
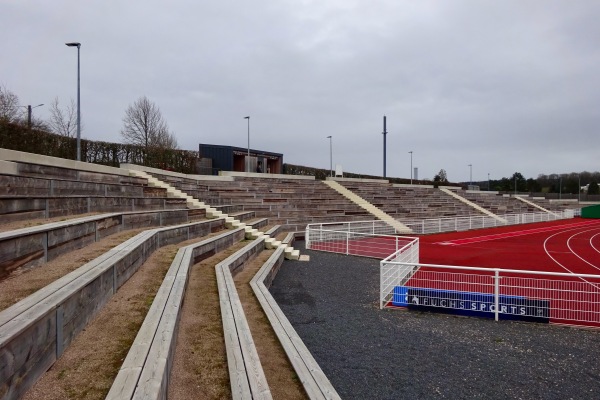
35	331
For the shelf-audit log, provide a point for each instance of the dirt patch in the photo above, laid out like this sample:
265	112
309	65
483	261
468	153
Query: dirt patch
200	363
20	286
88	367
282	379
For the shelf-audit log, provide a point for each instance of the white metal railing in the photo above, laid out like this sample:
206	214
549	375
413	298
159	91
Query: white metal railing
438	225
355	243
500	293
398	268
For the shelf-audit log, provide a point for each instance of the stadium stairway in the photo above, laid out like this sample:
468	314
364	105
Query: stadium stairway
397	225
475	206
251	233
531	203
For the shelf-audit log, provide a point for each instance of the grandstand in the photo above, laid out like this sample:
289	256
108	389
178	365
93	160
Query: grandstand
206	231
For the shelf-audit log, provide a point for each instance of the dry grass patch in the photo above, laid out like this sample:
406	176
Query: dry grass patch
88	367
200	364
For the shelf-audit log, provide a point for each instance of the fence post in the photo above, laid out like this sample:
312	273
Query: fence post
347	243
496	294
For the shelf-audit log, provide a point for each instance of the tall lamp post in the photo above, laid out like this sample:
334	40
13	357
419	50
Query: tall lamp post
248	156
411	170
470	174
560	189
78	45
29	108
488	181
330	155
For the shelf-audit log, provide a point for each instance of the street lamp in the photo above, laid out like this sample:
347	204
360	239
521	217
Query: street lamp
29	108
560	188
248	157
579	188
470	174
411	171
488	181
330	155
78	45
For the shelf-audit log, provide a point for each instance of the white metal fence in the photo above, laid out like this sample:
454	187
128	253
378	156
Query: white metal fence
436	225
355	243
498	293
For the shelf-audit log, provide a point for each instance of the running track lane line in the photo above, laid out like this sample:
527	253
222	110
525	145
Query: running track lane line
562	266
498	236
575	253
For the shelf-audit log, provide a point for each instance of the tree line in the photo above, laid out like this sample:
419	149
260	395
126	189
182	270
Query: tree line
143	122
566	183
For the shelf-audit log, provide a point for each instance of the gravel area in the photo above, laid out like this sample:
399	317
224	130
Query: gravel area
368	353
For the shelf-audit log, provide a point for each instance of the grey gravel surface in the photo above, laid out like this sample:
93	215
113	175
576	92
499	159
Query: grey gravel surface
368	353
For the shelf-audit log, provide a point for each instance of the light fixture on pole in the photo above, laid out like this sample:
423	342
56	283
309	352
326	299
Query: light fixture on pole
248	156
488	181
330	155
411	170
579	188
470	174
384	145
29	108
560	189
78	45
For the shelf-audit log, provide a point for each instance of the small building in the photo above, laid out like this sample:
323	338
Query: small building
215	158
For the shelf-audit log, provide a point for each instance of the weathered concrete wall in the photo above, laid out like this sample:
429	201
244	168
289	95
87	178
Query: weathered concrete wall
31	247
35	331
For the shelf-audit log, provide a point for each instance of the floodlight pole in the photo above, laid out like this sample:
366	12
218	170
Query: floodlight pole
330	155
248	156
411	170
384	144
488	181
470	174
78	45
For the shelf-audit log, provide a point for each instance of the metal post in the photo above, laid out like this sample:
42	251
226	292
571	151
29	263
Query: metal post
411	170
579	188
330	155
384	144
248	155
470	174
78	107
560	189
496	294
488	181
78	45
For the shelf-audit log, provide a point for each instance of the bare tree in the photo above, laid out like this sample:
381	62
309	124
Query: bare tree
64	121
9	105
144	125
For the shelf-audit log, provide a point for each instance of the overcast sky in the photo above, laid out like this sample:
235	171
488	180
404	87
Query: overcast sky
503	85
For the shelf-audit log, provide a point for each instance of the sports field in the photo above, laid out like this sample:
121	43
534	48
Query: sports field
568	247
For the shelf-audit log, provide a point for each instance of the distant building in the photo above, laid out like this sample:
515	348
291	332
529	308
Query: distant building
215	158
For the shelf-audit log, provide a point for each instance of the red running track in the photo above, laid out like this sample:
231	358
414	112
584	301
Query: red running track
565	246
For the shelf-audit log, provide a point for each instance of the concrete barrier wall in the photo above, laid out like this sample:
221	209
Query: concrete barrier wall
35	331
27	248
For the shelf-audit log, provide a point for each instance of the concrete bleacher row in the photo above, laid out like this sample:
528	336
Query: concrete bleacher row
408	202
35	331
25	248
291	203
